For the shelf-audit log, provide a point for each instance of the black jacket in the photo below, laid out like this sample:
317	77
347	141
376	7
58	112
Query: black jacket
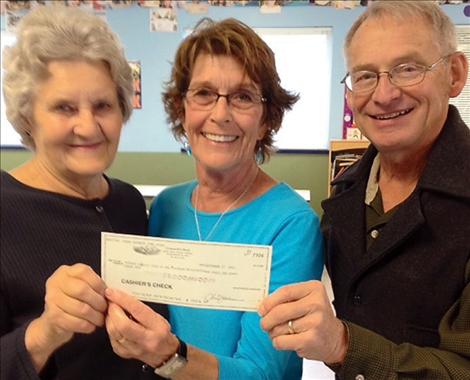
416	270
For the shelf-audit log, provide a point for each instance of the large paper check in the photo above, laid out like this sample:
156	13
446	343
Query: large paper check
184	272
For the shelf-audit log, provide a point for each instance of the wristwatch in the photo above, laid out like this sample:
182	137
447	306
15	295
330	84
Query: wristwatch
169	368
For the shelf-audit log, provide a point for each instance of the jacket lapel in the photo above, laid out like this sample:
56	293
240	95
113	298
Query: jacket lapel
347	209
347	214
407	219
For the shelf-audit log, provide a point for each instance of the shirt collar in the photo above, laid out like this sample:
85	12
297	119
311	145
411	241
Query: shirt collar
373	181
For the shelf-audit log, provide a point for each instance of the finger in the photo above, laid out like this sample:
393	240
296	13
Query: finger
282	329
115	335
310	302
318	336
123	325
79	291
111	328
310	344
76	308
120	348
79	282
142	342
61	320
278	318
131	339
139	311
292	342
118	341
297	326
87	274
117	319
134	349
285	294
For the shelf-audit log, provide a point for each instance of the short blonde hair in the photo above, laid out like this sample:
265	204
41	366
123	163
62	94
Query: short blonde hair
50	33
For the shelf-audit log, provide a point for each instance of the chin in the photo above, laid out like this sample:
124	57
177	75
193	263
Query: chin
88	171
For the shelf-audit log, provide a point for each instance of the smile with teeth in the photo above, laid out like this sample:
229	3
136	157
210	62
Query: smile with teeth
392	115
219	138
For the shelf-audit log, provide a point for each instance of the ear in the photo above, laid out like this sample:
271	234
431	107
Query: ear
458	73
182	114
349	98
262	131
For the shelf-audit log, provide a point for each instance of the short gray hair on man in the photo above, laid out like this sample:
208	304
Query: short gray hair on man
50	33
403	10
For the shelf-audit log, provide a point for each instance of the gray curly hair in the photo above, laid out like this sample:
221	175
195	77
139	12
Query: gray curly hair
50	33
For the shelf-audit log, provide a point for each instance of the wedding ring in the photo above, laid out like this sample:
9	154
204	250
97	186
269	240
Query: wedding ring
290	327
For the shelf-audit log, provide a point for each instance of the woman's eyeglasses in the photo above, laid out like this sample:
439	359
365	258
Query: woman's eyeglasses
205	99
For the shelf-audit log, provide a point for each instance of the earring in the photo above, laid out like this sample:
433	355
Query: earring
259	156
187	147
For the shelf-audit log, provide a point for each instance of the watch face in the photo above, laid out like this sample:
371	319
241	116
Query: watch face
172	366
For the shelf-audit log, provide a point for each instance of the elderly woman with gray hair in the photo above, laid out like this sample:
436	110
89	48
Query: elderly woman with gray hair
68	91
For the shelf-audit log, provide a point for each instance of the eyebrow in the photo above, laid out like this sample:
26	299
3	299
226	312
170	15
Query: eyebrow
407	58
240	86
66	96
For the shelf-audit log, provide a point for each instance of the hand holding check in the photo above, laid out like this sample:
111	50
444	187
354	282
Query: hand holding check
300	318
136	331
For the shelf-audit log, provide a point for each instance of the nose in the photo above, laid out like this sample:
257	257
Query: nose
386	91
221	112
86	123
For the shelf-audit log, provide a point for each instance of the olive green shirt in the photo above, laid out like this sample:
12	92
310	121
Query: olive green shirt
382	359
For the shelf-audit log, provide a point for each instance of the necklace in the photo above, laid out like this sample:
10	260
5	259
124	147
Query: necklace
230	206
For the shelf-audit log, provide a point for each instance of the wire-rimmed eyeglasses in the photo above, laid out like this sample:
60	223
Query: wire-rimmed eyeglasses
406	74
205	99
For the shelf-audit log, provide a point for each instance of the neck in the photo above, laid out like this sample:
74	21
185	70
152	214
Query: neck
398	178
217	191
35	174
403	168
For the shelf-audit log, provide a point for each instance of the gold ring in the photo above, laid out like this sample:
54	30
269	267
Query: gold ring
290	327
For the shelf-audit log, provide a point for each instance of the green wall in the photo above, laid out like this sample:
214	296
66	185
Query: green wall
301	171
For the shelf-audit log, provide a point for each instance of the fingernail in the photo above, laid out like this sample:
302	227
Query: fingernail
108	292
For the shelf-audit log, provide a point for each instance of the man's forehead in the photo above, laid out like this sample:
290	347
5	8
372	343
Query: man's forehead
389	40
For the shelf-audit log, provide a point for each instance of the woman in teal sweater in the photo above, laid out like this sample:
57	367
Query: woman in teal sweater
224	99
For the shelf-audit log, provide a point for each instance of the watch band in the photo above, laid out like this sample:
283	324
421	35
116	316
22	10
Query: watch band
175	363
182	349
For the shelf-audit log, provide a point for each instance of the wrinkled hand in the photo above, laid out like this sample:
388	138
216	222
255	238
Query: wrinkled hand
138	332
315	333
74	303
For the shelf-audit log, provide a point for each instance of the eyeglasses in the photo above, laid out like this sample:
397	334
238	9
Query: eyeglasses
406	74
205	99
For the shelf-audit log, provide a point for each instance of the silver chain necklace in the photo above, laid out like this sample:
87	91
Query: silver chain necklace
233	204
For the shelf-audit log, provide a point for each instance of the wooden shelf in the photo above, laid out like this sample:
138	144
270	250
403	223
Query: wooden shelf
342	154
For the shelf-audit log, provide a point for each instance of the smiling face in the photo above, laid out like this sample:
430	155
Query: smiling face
77	120
221	138
395	119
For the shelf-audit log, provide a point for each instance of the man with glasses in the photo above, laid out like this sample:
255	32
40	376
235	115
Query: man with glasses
398	224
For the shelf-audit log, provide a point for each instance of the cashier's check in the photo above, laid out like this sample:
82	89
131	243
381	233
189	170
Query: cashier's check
188	273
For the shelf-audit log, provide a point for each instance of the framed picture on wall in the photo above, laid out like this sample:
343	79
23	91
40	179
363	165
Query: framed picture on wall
137	80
